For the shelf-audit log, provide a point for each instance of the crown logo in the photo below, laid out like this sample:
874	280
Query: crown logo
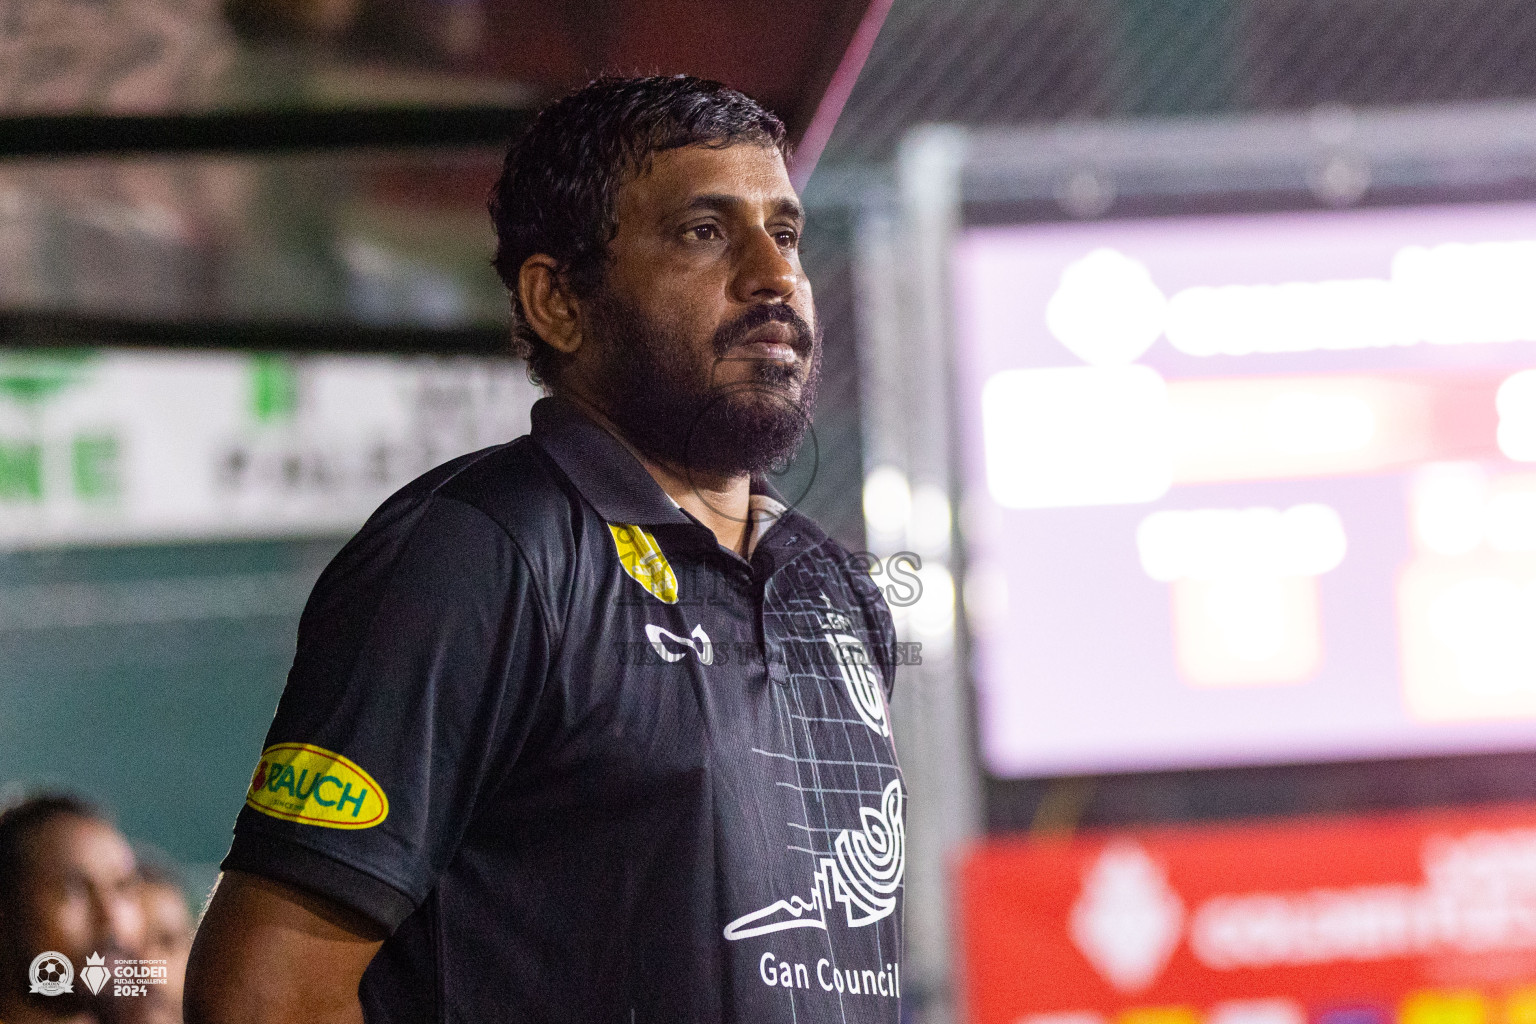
95	975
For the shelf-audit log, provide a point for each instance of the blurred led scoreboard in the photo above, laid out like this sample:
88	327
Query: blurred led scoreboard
1247	489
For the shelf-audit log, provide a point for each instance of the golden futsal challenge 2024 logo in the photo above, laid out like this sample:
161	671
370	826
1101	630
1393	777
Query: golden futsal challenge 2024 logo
53	974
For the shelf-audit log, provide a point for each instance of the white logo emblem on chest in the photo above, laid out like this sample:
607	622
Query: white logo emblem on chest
697	642
859	678
863	874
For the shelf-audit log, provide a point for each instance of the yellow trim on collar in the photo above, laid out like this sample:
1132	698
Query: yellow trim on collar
643	560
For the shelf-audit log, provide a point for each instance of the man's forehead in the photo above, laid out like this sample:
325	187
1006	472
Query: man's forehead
695	176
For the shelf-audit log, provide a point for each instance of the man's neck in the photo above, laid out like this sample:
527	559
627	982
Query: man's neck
721	503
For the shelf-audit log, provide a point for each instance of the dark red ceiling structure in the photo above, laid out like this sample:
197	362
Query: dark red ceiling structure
786	54
799	57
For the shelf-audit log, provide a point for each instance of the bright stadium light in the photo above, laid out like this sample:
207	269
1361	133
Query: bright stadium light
887	503
1484	624
1510	521
1249	613
1452	294
986	596
1307	423
1463	293
1066	436
1209	544
1106	311
928	530
1448	507
1299	316
1516	403
933	616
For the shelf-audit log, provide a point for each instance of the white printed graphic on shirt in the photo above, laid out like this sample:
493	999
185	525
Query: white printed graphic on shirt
864	876
699	644
859	678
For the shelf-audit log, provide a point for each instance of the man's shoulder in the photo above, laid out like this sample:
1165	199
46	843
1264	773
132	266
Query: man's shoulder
520	489
509	499
513	487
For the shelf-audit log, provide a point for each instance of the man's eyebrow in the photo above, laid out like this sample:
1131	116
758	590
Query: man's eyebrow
724	202
790	208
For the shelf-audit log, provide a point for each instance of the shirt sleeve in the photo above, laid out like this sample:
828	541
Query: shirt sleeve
421	658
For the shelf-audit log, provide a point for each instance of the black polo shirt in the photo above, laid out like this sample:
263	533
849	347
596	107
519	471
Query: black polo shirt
584	763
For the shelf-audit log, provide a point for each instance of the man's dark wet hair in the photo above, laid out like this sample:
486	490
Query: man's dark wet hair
560	182
18	824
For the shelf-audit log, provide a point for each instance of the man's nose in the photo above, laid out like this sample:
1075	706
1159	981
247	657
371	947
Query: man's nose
764	271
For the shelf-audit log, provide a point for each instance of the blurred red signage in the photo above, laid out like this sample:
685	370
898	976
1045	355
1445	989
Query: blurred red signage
1415	919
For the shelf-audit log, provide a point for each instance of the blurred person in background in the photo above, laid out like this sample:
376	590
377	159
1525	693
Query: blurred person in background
167	936
69	884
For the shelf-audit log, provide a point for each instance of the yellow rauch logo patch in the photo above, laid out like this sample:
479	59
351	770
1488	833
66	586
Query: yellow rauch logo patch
298	782
642	558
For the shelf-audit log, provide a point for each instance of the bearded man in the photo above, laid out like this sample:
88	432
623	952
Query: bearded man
591	726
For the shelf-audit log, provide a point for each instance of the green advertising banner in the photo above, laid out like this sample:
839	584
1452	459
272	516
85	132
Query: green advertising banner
147	447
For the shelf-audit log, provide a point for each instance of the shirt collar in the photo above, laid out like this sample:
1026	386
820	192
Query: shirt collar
605	472
609	476
767	508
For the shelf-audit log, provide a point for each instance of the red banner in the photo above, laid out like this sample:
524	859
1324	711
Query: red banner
1413	918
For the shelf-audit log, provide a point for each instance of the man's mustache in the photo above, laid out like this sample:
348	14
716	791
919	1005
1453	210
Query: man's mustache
734	333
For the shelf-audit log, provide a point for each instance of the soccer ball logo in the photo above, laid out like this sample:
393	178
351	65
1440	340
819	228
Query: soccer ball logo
52	974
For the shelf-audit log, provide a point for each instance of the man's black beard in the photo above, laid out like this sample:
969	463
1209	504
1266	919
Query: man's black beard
672	409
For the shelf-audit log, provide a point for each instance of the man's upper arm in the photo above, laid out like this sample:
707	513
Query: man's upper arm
266	953
421	660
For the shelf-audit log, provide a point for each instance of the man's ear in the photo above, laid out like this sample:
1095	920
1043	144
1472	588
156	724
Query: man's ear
548	304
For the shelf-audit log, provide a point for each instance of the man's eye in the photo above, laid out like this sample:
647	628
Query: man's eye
788	239
704	232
